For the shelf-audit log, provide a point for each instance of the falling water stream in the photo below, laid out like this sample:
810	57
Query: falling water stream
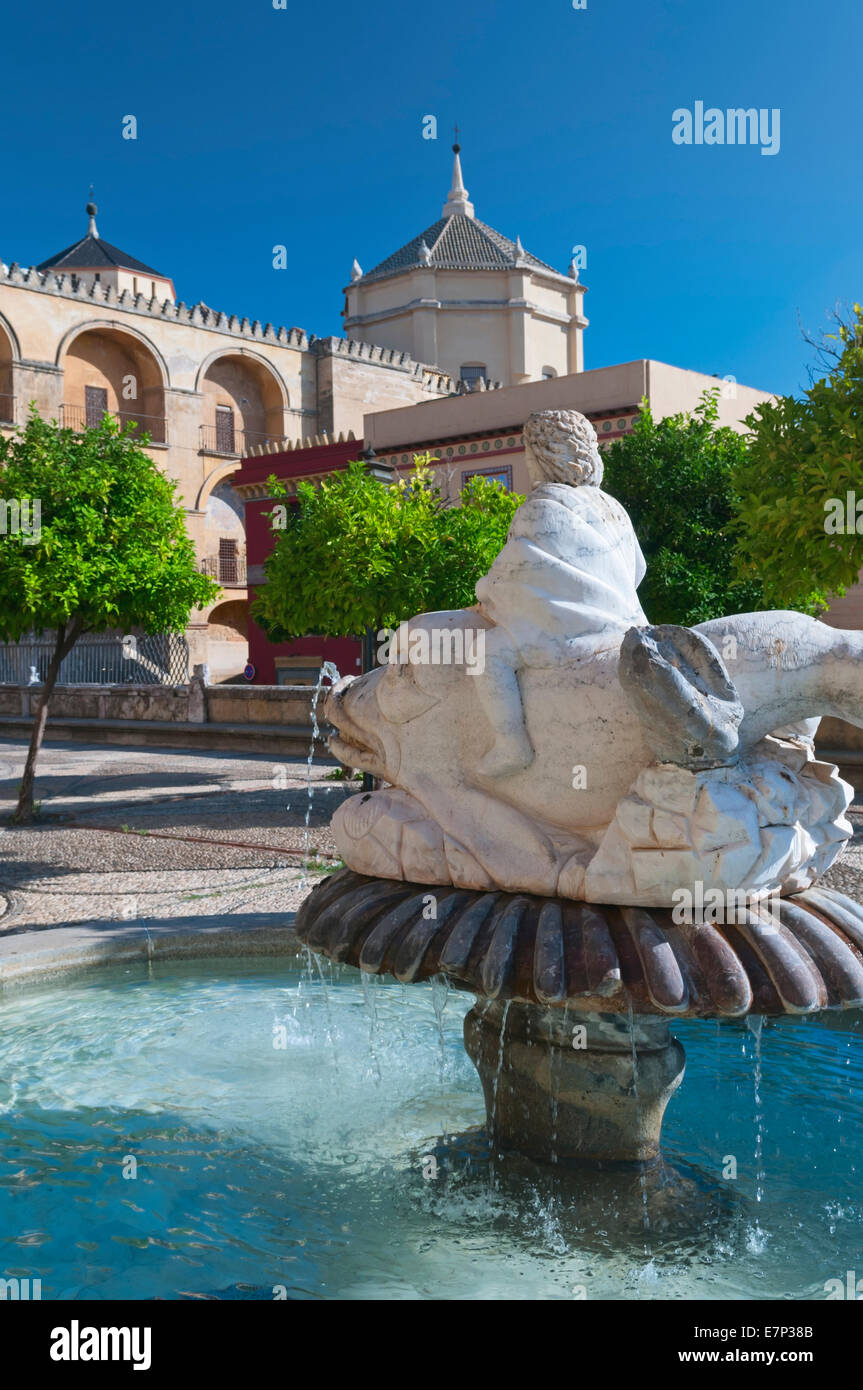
329	671
642	1176
494	1091
369	999
755	1025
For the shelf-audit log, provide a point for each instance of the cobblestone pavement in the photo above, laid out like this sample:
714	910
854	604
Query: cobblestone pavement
160	833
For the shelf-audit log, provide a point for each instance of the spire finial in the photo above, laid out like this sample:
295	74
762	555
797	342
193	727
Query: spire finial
458	203
91	213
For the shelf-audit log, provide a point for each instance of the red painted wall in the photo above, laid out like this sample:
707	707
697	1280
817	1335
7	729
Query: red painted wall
345	652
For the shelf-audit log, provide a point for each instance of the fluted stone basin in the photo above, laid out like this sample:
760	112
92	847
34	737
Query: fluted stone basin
554	952
570	1032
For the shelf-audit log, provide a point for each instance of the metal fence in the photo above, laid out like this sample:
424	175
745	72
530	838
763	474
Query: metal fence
228	570
78	417
162	660
231	440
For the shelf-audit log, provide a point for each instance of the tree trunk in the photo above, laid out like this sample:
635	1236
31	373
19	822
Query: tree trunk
66	639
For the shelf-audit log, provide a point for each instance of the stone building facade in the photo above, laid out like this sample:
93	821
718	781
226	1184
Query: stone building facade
92	329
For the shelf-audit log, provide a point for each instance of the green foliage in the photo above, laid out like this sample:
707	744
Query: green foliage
357	553
676	478
802	454
113	550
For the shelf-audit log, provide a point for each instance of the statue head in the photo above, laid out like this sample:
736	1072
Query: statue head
560	447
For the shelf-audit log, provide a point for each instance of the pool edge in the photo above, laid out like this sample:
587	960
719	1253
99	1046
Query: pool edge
46	952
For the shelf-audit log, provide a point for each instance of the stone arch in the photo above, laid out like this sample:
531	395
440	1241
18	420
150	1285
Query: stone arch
7	331
9	353
227	639
117	327
252	356
111	367
220	473
244	400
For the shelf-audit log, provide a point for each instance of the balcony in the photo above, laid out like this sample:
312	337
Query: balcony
7	409
227	570
226	441
77	417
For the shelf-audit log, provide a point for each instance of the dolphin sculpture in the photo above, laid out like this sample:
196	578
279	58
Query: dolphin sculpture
560	745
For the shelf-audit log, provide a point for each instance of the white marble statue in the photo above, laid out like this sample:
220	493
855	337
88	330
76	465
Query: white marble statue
588	754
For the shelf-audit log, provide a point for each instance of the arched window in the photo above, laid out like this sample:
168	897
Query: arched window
108	370
243	405
7	399
548	373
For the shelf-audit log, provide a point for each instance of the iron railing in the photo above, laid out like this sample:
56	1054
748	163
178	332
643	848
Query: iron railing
226	569
74	417
160	660
231	442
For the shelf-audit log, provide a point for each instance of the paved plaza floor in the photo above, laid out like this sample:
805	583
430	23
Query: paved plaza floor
144	833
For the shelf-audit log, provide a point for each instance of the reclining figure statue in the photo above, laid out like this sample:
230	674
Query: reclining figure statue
582	752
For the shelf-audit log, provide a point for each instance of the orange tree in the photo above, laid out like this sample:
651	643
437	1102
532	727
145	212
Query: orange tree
357	553
109	548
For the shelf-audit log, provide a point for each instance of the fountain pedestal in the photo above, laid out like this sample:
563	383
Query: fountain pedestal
570	1034
569	1087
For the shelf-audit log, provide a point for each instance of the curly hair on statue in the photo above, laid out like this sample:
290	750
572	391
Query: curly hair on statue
561	447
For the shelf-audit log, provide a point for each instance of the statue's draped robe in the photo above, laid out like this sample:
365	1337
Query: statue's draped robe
564	584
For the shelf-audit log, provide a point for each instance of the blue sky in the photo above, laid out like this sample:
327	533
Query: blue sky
303	127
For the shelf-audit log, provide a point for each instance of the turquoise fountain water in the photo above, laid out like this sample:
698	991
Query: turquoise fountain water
287	1131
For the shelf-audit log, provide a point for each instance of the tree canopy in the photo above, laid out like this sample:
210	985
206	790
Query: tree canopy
798	529
678	480
112	549
357	553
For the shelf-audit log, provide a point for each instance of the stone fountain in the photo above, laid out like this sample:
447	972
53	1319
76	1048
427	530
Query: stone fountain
594	825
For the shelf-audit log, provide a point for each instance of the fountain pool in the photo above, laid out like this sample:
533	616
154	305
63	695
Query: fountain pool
287	1123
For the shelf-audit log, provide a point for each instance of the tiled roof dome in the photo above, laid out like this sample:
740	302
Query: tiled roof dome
91	252
457	241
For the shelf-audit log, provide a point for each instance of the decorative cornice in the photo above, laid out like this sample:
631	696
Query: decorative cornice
286	446
432	378
70	286
260	489
538	311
